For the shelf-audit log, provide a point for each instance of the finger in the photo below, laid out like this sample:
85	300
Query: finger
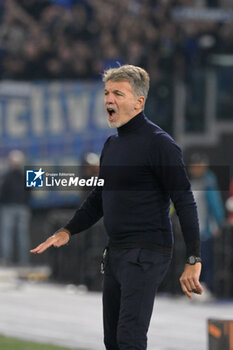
198	288
192	284
187	284
188	293
42	247
35	250
186	290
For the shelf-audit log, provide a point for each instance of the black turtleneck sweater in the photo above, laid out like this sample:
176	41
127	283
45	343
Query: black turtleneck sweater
143	169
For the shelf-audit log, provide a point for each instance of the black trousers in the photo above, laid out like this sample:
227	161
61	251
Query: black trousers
131	279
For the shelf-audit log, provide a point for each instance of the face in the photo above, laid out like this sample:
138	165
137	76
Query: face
198	170
121	103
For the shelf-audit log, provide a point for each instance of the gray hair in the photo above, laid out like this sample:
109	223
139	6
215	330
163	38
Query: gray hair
137	77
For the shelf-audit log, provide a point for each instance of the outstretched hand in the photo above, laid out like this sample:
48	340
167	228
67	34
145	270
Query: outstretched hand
189	280
57	240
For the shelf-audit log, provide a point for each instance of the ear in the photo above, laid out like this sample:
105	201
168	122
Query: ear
139	102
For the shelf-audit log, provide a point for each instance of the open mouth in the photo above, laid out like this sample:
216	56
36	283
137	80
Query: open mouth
111	111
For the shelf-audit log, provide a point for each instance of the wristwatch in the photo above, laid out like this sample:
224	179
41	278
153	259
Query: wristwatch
192	260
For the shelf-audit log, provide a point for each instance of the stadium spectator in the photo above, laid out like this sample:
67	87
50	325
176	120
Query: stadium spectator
15	212
210	212
35	34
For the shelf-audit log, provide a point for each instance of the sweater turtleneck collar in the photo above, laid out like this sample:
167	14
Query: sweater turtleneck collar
132	124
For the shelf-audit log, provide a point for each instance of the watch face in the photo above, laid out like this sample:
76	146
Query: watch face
192	260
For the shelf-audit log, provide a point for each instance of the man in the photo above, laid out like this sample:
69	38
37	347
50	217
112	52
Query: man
15	212
210	214
143	159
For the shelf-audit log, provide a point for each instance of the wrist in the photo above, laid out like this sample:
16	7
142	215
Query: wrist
193	259
62	229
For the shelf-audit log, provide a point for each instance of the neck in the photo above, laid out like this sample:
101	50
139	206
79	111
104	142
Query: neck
136	113
132	124
131	117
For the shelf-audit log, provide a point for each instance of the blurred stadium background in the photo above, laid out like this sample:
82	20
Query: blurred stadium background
52	53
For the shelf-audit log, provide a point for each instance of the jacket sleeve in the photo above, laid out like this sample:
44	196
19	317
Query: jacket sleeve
91	209
168	166
88	214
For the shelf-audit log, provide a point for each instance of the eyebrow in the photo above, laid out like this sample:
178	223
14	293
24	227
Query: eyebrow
115	91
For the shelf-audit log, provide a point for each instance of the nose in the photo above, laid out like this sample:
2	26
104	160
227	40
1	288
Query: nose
109	99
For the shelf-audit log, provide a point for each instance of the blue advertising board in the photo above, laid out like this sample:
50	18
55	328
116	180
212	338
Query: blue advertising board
52	120
54	123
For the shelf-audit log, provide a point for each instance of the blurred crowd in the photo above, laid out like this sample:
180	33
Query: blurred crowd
70	39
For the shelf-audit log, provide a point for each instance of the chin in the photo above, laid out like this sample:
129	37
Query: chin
113	125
